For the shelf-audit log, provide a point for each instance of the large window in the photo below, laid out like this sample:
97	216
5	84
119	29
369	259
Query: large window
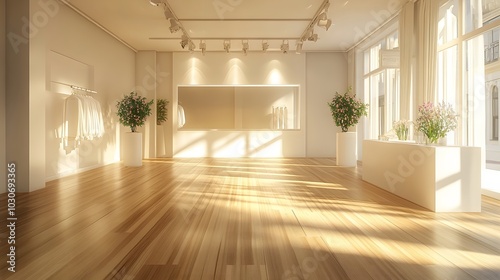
468	68
491	46
448	22
494	114
381	84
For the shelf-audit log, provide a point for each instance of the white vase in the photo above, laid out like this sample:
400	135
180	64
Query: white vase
346	149
132	149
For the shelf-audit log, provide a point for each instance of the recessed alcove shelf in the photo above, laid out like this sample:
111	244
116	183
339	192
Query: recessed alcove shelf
240	107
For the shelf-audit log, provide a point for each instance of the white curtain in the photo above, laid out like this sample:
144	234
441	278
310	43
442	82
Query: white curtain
406	45
427	20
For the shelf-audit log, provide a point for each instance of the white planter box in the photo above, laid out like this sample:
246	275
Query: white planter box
346	149
132	149
439	178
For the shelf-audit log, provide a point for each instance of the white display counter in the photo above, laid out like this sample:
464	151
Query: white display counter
439	178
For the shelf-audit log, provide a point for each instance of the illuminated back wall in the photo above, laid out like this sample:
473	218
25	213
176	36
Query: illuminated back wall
253	70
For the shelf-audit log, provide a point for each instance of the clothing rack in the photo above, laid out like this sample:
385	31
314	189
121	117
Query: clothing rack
73	87
83	89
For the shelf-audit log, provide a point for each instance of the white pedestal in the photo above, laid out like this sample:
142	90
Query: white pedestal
346	149
439	178
132	149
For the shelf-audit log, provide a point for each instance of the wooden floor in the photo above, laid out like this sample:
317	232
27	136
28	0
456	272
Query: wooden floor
242	219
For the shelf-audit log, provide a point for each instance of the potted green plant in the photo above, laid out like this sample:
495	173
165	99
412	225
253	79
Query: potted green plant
133	111
161	111
346	111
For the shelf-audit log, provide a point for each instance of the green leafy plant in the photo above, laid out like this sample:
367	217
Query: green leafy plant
133	110
435	121
161	111
347	109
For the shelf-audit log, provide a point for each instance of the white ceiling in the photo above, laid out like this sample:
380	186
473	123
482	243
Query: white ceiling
144	26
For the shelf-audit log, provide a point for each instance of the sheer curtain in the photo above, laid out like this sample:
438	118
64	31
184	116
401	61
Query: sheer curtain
406	45
427	20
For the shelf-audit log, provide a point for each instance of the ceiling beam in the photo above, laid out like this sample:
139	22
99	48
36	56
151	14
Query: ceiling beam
249	19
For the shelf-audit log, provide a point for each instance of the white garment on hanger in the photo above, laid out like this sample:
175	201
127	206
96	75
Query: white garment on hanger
181	117
82	119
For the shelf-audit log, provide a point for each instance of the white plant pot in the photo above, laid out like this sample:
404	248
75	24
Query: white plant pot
132	149
346	149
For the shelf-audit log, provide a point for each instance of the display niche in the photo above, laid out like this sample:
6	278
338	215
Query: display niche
239	107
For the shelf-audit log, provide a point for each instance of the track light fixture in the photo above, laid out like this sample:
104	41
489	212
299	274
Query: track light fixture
227	45
265	45
285	47
174	26
168	13
298	47
320	19
324	21
311	36
327	5
203	47
191	46
245	46
156	3
184	41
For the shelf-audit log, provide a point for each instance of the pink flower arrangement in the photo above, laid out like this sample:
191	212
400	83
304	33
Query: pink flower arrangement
436	121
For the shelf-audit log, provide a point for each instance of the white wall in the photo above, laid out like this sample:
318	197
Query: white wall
61	47
164	75
3	158
111	72
238	69
146	80
326	74
17	95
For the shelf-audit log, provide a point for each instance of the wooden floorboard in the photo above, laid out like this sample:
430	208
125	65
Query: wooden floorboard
292	218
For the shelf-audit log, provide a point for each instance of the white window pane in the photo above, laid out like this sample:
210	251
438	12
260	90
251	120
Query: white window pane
473	17
448	22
